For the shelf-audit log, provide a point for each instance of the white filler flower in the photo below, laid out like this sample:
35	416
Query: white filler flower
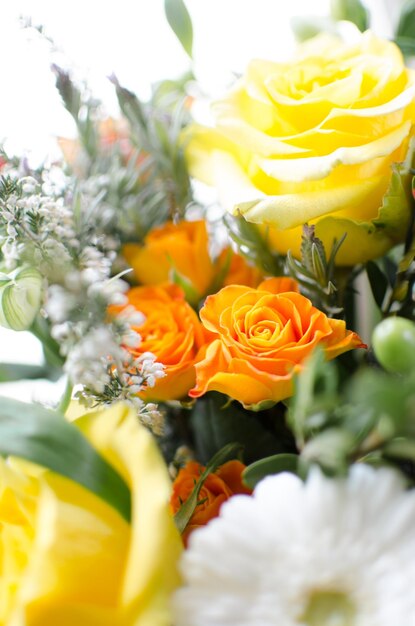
330	552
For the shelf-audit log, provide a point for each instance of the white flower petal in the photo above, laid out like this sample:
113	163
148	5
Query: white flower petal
266	557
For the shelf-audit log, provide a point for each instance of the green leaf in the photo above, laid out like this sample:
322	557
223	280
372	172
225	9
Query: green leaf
406	25
378	282
396	209
183	515
252	245
351	10
44	437
191	295
330	449
308	26
214	425
407	45
255	472
10	372
307	403
400	448
179	19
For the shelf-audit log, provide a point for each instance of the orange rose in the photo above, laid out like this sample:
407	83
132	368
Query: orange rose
182	246
172	332
239	272
185	247
263	337
217	488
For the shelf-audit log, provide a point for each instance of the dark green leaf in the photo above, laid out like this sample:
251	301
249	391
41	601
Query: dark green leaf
378	282
407	45
44	437
271	465
406	25
179	19
214	425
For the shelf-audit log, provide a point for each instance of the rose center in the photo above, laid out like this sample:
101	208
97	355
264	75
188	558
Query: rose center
329	608
264	330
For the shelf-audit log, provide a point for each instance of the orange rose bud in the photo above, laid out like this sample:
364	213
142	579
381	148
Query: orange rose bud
217	488
172	332
182	246
239	272
263	337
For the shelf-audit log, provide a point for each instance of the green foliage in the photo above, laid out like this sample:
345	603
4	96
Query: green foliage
215	423
315	274
136	181
83	109
10	372
252	245
21	294
179	19
351	10
337	423
255	472
378	282
156	130
183	515
405	33
44	437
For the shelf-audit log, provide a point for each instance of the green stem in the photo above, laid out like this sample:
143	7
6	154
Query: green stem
40	329
66	398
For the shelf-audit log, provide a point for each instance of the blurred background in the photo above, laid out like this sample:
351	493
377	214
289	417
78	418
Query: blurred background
132	40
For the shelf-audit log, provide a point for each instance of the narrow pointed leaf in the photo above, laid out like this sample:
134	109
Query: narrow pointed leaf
179	20
185	512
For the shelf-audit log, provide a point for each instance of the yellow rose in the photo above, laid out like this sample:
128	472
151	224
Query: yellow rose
313	140
67	558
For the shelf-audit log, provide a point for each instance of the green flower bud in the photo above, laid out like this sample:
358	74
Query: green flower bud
20	297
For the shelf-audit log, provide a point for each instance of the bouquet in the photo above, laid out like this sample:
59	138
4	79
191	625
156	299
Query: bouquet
236	439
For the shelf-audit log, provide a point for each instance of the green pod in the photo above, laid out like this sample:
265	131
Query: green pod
20	297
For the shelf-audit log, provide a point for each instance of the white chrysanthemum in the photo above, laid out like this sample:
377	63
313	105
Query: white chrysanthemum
324	553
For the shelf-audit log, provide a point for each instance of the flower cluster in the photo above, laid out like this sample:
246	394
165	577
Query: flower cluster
284	413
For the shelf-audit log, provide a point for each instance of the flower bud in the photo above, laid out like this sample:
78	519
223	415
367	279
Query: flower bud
20	298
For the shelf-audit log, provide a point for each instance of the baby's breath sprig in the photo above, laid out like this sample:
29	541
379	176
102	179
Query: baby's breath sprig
45	227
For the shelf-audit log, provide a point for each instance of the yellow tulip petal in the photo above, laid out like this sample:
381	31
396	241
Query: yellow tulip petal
150	574
75	559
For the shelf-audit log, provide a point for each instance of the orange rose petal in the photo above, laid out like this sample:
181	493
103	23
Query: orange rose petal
231	474
279	284
173	333
262	340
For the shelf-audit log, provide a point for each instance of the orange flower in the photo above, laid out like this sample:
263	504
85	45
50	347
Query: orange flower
172	332
263	337
185	247
217	488
239	273
182	246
